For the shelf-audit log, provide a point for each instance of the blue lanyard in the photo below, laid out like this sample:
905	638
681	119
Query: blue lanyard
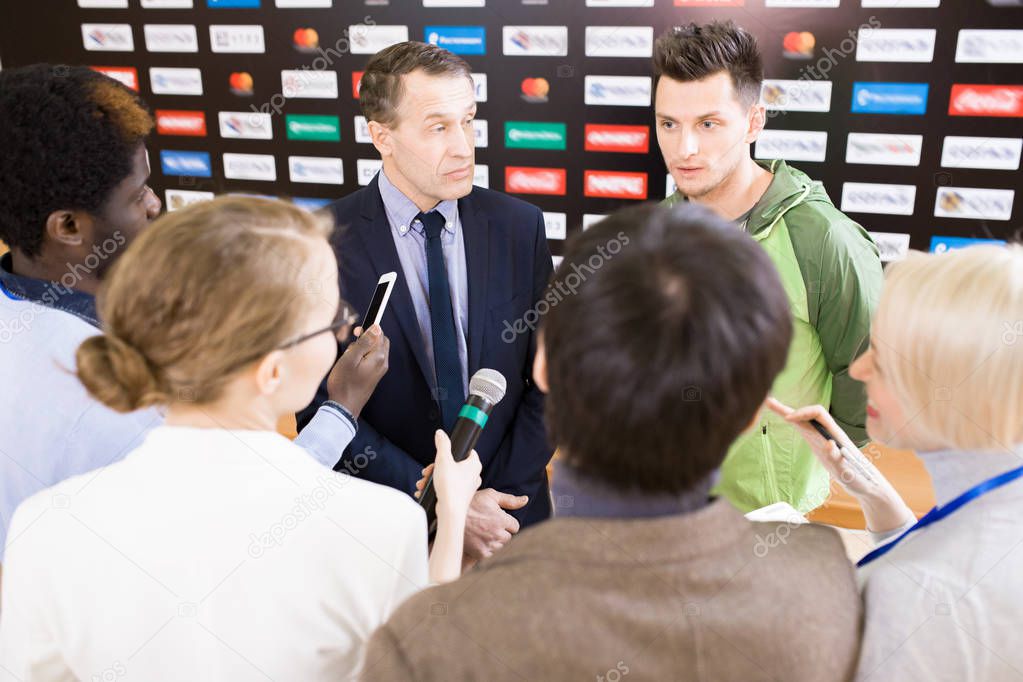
938	513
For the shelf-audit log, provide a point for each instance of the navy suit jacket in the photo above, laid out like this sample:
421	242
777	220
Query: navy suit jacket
508	265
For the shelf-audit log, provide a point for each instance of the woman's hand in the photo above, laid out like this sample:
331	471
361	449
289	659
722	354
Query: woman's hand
882	504
455	483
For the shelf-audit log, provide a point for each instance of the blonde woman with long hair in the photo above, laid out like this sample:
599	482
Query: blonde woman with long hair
944	377
218	549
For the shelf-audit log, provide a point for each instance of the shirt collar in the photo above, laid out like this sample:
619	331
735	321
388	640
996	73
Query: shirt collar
50	294
401	211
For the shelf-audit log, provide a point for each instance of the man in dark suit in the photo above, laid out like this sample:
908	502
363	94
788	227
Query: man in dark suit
471	263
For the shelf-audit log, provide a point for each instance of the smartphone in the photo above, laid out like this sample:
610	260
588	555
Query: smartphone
378	303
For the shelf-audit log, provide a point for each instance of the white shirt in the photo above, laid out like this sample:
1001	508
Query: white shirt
946	602
206	554
51	428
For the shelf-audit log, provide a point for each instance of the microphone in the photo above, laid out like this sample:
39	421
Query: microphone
486	389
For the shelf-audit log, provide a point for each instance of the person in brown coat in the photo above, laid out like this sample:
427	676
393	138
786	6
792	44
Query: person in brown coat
663	332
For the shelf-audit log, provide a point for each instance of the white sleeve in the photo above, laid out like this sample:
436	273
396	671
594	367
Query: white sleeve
28	649
327	435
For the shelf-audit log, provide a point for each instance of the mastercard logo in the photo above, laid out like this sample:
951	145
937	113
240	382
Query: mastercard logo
535	89
240	83
799	45
306	39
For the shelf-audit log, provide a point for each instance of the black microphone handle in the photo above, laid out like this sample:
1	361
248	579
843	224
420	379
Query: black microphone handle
464	436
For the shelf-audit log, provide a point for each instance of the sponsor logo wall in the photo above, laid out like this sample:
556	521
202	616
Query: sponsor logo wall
909	111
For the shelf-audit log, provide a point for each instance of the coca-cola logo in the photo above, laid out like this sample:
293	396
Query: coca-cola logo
986	100
617	138
524	180
615	185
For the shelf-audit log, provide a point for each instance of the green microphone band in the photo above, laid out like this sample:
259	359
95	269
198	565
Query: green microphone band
474	414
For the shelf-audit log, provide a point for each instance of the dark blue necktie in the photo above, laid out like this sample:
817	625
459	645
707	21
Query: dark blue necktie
450	394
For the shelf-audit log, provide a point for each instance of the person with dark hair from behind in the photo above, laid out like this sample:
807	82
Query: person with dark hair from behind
708	114
74	174
666	330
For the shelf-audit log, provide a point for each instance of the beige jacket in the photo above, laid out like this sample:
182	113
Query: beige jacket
700	596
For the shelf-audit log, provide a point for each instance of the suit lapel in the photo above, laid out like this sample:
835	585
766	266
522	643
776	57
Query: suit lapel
375	232
476	234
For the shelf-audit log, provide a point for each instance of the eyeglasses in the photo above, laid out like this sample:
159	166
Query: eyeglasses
344	318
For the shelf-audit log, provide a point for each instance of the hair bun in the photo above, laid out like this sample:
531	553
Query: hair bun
117	374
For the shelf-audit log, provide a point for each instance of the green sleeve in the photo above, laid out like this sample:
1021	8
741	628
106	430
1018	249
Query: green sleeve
841	308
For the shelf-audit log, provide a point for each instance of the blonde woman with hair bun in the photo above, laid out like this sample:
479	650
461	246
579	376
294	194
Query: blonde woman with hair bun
218	549
944	377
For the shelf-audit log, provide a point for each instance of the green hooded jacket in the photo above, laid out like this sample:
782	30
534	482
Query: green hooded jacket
831	271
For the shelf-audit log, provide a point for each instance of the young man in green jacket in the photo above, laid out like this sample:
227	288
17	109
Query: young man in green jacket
708	113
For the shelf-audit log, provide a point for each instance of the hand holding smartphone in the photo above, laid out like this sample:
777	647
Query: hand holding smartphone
377	304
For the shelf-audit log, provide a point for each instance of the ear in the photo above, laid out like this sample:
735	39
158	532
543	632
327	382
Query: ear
540	364
269	373
757	121
69	228
381	136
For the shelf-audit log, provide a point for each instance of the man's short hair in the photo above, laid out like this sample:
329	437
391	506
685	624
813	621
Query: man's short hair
692	53
666	330
68	135
381	90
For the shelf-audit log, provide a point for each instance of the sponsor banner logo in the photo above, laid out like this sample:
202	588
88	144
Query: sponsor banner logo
366	169
367	39
796	95
166	4
250	167
619	41
240	83
304	83
986	100
942	244
454	3
884	150
233	4
995	153
174	81
980	46
974	202
310	204
614	184
901	3
481	175
895	44
294	4
591	219
792	145
801	3
173	122
619	3
530	180
192	164
480	132
128	76
237	39
535	90
179	198
315	128
103	4
889	98
617	138
710	3
362	135
305	39
669	185
171	38
556	225
479	81
356	83
107	38
534	135
248	125
892	246
318	169
458	39
865	197
535	41
628	91
798	45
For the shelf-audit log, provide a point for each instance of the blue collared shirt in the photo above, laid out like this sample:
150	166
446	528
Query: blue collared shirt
52	429
409	237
